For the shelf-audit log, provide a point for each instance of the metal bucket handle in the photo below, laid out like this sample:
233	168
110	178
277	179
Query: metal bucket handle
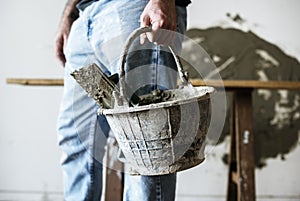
136	33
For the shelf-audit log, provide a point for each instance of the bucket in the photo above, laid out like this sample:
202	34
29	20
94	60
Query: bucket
164	137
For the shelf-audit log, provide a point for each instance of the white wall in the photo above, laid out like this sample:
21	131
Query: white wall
29	155
274	20
28	151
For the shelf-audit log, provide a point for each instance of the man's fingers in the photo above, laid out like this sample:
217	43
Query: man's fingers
161	37
161	30
145	22
59	51
61	58
156	25
154	34
143	38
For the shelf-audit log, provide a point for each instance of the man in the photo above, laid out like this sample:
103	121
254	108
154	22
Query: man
95	26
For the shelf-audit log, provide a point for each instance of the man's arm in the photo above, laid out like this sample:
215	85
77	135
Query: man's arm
70	14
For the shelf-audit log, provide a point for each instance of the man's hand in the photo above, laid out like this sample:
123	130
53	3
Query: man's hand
61	40
69	16
160	14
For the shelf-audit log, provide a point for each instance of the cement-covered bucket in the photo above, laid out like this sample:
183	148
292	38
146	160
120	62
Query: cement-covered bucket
164	137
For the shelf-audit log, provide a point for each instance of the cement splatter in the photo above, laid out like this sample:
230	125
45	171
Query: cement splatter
275	112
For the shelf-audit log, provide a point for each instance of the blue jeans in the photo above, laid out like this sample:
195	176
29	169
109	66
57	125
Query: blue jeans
98	37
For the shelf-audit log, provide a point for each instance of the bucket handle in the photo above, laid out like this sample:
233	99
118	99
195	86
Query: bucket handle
136	33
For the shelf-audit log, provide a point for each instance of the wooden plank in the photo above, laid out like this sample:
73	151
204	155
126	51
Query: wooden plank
241	84
35	81
113	175
245	145
234	177
228	84
113	186
232	162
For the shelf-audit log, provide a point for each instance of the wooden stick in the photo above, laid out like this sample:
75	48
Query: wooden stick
254	84
35	82
228	84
